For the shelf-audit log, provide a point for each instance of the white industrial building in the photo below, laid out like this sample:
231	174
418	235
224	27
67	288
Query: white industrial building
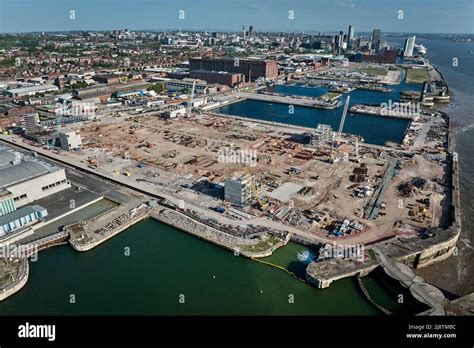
70	140
30	91
25	179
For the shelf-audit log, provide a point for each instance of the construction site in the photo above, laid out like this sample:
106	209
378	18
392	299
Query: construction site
319	183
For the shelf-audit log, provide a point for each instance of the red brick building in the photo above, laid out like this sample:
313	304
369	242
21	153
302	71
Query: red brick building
219	77
252	69
387	56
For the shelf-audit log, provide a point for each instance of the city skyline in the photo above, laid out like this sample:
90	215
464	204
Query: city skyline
306	15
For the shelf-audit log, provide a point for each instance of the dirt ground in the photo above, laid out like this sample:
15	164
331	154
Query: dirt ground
182	152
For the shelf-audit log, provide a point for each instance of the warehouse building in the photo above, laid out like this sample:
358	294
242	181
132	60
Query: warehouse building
30	91
252	69
219	77
25	179
21	218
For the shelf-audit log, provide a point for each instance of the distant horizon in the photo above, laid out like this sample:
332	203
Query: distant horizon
401	16
224	31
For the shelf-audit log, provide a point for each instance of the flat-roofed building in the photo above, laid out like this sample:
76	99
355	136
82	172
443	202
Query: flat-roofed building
108	78
219	77
251	68
70	140
201	88
20	218
27	178
30	91
238	190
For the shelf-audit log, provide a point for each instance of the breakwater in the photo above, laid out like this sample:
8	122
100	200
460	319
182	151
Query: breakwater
254	248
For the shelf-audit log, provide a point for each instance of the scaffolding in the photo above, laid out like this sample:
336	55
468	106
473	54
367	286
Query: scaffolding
321	135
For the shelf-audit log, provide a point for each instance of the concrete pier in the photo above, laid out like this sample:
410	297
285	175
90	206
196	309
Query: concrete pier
299	101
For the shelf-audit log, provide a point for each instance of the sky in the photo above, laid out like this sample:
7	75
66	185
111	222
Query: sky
417	16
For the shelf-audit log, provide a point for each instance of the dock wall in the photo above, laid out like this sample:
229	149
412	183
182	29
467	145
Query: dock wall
222	239
18	283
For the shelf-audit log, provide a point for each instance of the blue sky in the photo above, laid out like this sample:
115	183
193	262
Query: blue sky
424	16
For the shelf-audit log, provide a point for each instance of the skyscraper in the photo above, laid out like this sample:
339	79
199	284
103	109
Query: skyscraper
350	36
376	39
409	46
338	42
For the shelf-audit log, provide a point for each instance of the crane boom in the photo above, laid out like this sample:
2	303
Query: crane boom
343	119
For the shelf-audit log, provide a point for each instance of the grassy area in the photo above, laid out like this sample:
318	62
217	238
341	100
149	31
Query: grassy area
76	232
417	75
262	246
372	70
4	279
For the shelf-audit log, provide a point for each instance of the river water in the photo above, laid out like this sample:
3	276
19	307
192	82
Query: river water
165	263
374	129
457	273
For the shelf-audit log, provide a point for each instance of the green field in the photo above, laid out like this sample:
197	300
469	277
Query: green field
416	75
372	70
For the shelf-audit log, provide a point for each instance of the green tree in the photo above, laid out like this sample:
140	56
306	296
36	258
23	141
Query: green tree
157	87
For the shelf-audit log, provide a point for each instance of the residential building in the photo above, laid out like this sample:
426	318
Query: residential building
409	46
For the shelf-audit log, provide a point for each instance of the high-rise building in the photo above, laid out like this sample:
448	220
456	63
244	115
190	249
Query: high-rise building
321	41
350	36
350	33
339	40
409	46
376	39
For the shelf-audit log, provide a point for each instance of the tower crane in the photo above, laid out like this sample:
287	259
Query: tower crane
337	136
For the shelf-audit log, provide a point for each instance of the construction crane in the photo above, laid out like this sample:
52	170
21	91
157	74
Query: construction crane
343	119
337	136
